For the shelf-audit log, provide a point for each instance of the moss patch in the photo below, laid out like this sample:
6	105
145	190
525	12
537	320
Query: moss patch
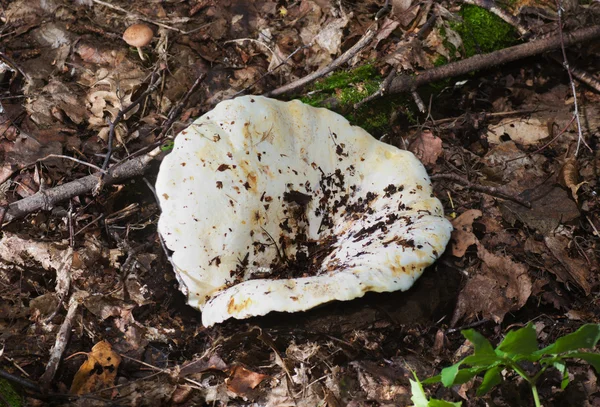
341	90
9	394
483	32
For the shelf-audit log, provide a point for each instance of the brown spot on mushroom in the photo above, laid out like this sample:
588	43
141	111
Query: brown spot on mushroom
252	180
166	196
232	307
223	167
219	184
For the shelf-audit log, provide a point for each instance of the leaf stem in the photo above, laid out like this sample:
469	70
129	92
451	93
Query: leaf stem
536	397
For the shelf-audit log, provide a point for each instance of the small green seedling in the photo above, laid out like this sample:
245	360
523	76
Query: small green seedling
520	346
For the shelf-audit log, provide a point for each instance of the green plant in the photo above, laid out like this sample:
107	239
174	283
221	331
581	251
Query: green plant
517	347
420	398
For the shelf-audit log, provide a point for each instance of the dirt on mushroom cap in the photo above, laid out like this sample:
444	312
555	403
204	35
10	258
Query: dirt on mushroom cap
275	206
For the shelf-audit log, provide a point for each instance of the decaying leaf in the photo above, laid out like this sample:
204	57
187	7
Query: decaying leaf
462	236
524	131
242	380
550	206
578	271
501	285
426	147
98	371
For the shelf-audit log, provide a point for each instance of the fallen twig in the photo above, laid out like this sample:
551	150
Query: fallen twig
408	83
342	59
493	191
61	339
48	198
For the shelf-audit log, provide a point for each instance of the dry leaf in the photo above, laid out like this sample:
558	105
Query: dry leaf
98	371
462	236
525	132
568	177
426	147
242	380
578	271
500	286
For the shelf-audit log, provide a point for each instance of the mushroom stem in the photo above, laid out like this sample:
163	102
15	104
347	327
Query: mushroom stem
141	54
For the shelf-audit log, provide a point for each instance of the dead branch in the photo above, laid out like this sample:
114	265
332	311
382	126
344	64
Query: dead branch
48	198
493	191
341	60
408	83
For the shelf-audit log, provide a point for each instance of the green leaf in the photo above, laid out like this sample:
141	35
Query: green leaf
522	342
562	368
480	343
449	374
585	337
464	375
419	398
432	380
592	358
481	360
491	378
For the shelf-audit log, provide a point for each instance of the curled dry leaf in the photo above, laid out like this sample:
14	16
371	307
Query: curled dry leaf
98	371
462	236
568	177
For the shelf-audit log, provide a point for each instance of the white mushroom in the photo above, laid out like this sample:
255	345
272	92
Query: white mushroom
279	206
138	35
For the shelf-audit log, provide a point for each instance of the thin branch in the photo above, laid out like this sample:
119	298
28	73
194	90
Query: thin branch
154	82
407	83
176	111
66	157
46	199
580	138
493	191
335	64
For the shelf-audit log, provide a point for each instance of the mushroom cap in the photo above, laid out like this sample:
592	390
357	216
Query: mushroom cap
138	35
280	206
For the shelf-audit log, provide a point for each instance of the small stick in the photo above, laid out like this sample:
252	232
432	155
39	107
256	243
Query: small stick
154	82
61	340
493	191
580	138
335	64
176	111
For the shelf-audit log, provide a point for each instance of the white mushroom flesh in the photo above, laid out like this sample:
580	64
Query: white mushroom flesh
279	206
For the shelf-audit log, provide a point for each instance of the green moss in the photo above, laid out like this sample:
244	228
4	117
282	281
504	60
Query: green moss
340	80
9	394
482	31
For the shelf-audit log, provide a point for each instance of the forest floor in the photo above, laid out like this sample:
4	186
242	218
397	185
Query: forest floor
90	311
